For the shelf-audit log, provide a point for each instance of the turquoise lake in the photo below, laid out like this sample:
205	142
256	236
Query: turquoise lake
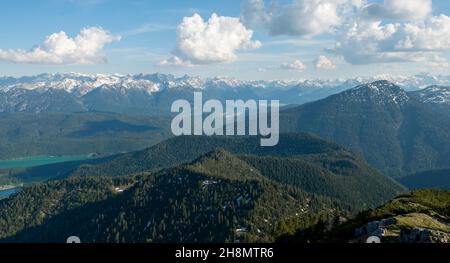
40	160
8	192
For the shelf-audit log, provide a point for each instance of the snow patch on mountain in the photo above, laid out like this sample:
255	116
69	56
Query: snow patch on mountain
435	95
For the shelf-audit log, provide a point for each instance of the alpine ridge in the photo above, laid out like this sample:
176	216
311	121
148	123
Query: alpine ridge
394	132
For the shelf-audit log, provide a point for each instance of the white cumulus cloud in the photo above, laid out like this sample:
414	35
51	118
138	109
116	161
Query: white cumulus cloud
299	18
295	65
324	62
59	48
213	41
176	61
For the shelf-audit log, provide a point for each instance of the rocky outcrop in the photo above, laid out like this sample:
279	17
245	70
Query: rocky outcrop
375	228
422	235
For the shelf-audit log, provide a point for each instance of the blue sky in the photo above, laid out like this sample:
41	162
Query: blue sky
141	37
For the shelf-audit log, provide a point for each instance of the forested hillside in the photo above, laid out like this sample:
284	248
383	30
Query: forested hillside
45	134
300	160
218	198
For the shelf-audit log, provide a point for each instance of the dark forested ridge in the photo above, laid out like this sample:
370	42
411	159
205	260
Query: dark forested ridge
346	179
428	179
173	152
187	148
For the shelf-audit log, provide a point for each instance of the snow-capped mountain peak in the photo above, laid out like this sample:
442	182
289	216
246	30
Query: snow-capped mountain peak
380	92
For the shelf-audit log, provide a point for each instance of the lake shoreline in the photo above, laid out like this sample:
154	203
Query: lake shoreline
10	187
7	192
32	161
90	155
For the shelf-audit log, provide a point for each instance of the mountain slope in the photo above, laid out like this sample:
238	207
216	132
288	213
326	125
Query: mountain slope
393	131
421	216
37	101
345	179
217	198
428	179
418	217
173	152
24	134
184	149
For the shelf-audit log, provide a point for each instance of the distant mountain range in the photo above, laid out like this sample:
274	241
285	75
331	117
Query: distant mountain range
397	133
152	94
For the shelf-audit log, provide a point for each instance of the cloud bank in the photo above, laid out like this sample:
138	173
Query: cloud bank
365	31
376	42
298	18
399	9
